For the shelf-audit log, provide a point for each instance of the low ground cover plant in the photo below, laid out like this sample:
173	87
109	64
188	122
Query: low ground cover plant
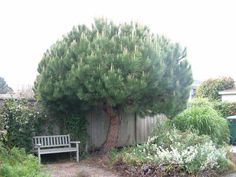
16	163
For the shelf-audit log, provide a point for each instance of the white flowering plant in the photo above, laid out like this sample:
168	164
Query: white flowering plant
187	150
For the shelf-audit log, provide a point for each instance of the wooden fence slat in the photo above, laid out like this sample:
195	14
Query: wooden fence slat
131	131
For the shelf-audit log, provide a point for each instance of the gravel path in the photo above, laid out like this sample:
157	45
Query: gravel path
73	169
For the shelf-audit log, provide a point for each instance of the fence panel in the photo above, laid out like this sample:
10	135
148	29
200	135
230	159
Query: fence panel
133	129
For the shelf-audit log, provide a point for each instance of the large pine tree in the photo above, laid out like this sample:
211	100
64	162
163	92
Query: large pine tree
118	66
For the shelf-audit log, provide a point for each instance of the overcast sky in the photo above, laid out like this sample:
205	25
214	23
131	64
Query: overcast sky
206	27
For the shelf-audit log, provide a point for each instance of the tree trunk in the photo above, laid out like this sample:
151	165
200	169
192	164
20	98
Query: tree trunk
113	130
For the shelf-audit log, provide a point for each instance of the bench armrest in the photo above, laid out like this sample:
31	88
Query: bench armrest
37	145
75	142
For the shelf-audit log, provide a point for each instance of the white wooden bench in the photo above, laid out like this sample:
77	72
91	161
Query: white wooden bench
54	144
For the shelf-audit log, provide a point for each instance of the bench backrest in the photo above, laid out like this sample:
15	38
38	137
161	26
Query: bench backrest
52	141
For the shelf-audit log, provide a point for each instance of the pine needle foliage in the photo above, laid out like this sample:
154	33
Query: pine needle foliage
126	64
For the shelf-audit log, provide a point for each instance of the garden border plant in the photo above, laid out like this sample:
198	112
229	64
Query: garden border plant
16	162
21	120
206	121
173	152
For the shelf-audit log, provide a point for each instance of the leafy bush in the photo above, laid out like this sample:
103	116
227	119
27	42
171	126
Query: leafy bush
198	102
76	126
211	87
187	152
206	121
16	163
162	136
225	108
20	121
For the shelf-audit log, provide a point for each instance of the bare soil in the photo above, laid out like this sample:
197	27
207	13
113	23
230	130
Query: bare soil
92	167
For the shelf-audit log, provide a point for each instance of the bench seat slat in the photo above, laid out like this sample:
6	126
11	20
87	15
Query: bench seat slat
56	150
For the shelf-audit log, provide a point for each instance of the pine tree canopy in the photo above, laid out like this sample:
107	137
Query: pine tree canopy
124	65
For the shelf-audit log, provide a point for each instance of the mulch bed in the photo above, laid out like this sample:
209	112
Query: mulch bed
146	170
155	170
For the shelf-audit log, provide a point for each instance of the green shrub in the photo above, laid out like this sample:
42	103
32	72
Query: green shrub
16	163
198	102
20	121
225	108
204	120
164	139
211	87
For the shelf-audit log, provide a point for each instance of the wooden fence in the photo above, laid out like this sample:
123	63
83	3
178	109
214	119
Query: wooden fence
133	129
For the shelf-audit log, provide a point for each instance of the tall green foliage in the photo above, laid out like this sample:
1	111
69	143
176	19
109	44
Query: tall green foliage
124	63
211	87
206	121
118	66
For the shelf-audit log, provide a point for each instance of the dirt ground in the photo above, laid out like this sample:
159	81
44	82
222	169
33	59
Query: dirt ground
93	167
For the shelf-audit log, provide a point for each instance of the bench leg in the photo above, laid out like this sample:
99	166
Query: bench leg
70	156
77	152
39	156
